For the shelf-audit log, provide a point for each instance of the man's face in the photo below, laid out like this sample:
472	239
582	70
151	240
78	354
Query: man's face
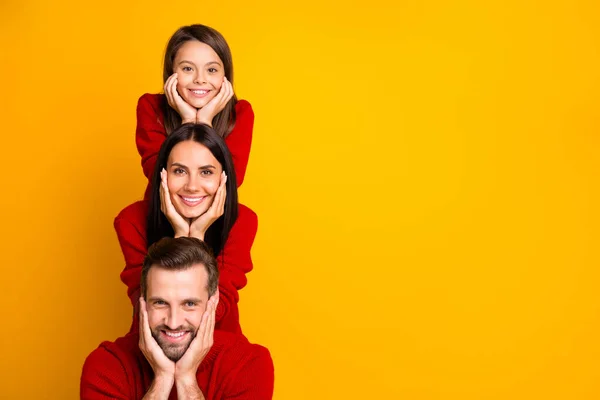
175	302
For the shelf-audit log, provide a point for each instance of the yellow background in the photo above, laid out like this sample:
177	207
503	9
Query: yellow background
425	175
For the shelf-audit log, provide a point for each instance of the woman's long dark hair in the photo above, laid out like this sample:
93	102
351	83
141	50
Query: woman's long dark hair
224	121
158	224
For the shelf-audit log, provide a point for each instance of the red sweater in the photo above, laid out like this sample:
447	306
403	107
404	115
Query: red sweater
234	261
150	134
232	369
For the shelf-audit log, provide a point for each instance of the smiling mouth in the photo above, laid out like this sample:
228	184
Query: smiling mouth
199	93
175	336
192	201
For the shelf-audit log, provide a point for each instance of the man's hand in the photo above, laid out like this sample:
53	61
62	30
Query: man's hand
164	369
186	367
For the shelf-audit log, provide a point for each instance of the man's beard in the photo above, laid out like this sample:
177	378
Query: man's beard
173	351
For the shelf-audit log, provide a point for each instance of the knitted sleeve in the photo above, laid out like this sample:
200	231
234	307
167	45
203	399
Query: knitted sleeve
150	132
234	262
239	140
130	226
103	377
254	379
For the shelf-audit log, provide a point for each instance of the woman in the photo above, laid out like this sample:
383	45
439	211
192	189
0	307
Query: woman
193	193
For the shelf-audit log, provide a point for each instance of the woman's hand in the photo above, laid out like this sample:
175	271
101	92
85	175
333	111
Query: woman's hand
186	111
206	114
180	225
199	226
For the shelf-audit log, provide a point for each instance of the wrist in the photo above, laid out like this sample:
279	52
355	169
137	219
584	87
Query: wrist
187	387
197	234
162	384
204	120
186	378
179	234
164	377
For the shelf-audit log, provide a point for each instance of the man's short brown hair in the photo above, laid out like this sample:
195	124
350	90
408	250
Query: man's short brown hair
177	254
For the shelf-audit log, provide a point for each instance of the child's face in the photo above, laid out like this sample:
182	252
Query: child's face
199	71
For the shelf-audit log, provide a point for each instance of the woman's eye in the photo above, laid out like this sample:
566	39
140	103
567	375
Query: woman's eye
179	171
206	172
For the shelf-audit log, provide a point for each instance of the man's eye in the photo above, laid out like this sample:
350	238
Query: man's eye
190	304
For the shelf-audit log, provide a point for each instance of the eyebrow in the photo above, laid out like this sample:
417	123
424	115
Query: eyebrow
150	299
176	164
193	300
208	63
207	166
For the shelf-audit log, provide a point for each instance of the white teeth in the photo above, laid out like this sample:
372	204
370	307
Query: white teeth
200	91
175	335
192	199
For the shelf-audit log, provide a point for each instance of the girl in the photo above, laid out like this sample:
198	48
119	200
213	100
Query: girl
198	79
193	193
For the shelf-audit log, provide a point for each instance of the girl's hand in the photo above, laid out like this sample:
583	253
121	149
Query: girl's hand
200	225
179	224
186	111
206	114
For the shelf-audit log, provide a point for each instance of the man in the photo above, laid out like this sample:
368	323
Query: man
177	353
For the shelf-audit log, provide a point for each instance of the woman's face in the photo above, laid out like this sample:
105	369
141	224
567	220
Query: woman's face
199	71
193	177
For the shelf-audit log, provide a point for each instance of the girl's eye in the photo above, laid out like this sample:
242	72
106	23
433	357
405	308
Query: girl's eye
212	70
187	69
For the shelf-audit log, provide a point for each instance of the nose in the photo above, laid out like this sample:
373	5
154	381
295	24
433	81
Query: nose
192	184
199	79
173	319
